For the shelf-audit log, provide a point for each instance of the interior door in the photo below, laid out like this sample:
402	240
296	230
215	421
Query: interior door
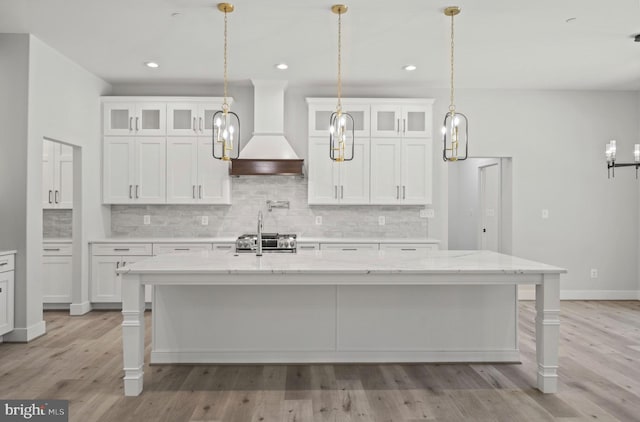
489	207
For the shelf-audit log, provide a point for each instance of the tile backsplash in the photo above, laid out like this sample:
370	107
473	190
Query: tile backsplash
249	195
56	223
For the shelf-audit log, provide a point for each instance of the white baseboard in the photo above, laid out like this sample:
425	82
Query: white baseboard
80	308
25	335
527	294
230	357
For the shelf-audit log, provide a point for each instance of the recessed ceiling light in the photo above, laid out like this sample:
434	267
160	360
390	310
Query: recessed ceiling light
152	65
410	67
282	66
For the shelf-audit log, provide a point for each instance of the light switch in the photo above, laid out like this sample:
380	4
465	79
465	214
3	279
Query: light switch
381	220
147	219
205	220
318	220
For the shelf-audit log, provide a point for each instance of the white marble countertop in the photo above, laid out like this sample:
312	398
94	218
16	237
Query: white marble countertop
301	239
338	262
8	252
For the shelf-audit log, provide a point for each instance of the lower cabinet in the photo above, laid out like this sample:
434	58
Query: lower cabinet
349	246
409	247
57	273
106	259
7	265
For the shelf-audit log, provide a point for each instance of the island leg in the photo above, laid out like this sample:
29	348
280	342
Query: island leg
548	332
132	333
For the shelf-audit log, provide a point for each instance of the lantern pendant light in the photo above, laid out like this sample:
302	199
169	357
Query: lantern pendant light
226	124
341	139
455	130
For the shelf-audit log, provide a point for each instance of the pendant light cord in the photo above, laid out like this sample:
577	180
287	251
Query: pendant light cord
225	105
339	61
452	107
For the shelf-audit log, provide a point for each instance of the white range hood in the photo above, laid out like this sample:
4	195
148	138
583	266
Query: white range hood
268	151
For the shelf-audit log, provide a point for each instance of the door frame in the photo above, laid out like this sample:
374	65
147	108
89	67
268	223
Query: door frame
482	203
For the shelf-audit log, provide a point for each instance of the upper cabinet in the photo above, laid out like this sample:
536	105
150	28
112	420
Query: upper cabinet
320	110
401	119
134	118
191	118
57	175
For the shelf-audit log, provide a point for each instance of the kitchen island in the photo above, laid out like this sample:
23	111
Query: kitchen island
332	306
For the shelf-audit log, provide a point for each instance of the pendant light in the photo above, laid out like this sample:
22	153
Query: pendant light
226	124
610	153
339	135
455	130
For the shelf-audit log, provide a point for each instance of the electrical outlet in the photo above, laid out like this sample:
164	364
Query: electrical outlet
545	213
205	220
594	273
381	220
146	219
318	220
427	213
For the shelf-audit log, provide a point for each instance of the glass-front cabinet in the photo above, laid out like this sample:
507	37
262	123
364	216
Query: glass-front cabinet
134	119
400	120
191	118
320	113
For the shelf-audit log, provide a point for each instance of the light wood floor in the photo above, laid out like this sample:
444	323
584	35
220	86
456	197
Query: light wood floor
80	360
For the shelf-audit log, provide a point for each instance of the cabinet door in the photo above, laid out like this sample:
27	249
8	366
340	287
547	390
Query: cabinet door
6	302
63	175
354	175
119	119
320	114
182	119
385	170
151	168
118	170
416	171
386	120
416	121
214	182
105	283
150	119
323	177
48	157
205	118
182	170
56	279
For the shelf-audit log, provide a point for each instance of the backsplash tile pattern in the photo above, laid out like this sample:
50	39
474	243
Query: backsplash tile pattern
249	195
56	223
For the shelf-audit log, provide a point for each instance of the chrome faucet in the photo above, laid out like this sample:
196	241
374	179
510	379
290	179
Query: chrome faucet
259	241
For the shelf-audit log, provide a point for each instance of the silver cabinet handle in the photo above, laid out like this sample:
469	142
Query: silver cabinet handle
181	249
397	192
307	247
52	249
117	265
137	196
124	263
2	264
404	125
404	192
122	249
50	198
335	191
349	249
130	194
193	191
195	129
137	127
223	247
408	249
200	191
398	126
200	120
56	197
341	191
130	123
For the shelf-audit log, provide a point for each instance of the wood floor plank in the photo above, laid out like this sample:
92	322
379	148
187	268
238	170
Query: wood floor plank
80	360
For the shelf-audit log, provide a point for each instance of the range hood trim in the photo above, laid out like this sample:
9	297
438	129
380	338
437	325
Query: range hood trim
265	167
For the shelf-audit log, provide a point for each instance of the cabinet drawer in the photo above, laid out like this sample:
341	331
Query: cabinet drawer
163	248
223	247
409	247
349	246
308	246
120	249
7	263
57	249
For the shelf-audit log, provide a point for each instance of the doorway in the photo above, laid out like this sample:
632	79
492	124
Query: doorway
489	207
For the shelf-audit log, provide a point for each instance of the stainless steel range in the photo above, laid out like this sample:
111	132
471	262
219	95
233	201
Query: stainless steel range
271	242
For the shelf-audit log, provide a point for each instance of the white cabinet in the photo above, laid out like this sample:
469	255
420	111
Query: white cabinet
192	118
106	259
57	175
7	271
308	246
400	118
338	183
401	171
57	272
131	118
409	248
164	248
134	170
193	175
320	110
349	247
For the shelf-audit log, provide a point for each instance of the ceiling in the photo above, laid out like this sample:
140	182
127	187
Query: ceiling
499	43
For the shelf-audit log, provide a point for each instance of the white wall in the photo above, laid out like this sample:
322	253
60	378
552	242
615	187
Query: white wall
63	105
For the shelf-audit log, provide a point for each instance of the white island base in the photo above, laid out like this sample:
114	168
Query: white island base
329	307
